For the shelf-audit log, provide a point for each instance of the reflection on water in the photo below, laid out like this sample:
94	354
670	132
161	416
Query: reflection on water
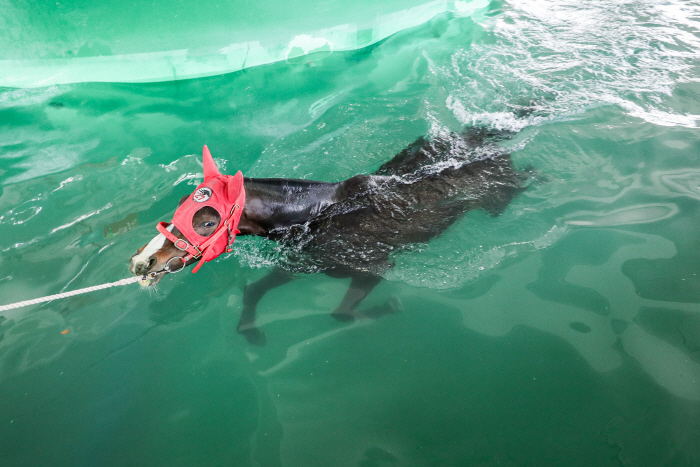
565	331
624	216
583	298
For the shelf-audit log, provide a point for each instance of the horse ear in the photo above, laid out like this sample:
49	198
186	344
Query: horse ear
210	169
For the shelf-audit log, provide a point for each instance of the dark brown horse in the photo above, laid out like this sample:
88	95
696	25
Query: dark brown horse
350	228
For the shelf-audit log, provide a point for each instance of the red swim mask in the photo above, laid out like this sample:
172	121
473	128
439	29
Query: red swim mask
224	193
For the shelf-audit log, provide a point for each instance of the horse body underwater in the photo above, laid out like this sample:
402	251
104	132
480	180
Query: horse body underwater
350	228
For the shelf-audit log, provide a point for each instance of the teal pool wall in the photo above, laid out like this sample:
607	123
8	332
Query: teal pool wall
48	43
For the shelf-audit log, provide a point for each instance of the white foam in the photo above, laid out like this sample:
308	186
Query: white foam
575	54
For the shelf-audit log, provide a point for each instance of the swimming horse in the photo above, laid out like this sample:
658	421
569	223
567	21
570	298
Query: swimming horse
344	229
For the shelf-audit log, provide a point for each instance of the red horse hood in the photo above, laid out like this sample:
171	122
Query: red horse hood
224	193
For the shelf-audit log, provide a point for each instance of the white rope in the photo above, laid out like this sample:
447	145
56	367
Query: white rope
34	301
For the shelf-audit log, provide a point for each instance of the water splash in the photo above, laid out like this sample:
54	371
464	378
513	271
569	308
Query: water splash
571	55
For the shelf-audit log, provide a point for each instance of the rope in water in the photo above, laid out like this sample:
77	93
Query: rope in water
34	301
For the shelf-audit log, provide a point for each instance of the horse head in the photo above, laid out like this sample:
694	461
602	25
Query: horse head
203	227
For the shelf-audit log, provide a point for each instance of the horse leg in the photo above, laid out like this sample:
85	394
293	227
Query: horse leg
360	286
251	296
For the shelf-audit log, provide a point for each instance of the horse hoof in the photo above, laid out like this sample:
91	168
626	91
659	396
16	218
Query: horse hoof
343	317
254	336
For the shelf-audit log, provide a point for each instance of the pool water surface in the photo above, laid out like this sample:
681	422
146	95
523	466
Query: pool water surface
564	332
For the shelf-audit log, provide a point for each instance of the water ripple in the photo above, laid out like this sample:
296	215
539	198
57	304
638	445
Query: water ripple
572	54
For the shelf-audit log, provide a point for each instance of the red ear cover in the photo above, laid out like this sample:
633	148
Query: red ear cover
210	169
235	192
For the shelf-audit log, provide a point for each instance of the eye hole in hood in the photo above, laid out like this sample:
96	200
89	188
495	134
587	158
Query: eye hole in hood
205	221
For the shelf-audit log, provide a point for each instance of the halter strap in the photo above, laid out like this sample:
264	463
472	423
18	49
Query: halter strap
197	251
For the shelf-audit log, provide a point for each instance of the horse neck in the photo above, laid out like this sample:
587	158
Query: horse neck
277	203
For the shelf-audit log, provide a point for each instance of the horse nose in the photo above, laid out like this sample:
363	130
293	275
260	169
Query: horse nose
142	267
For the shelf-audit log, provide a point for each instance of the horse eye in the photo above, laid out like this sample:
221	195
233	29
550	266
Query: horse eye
207	224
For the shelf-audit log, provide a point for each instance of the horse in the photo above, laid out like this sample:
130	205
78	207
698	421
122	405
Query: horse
343	229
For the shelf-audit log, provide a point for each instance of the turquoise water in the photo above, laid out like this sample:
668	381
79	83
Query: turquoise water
565	332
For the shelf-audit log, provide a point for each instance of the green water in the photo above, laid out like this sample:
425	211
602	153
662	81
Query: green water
565	332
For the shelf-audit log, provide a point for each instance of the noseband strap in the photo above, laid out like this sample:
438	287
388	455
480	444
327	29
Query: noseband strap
180	243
